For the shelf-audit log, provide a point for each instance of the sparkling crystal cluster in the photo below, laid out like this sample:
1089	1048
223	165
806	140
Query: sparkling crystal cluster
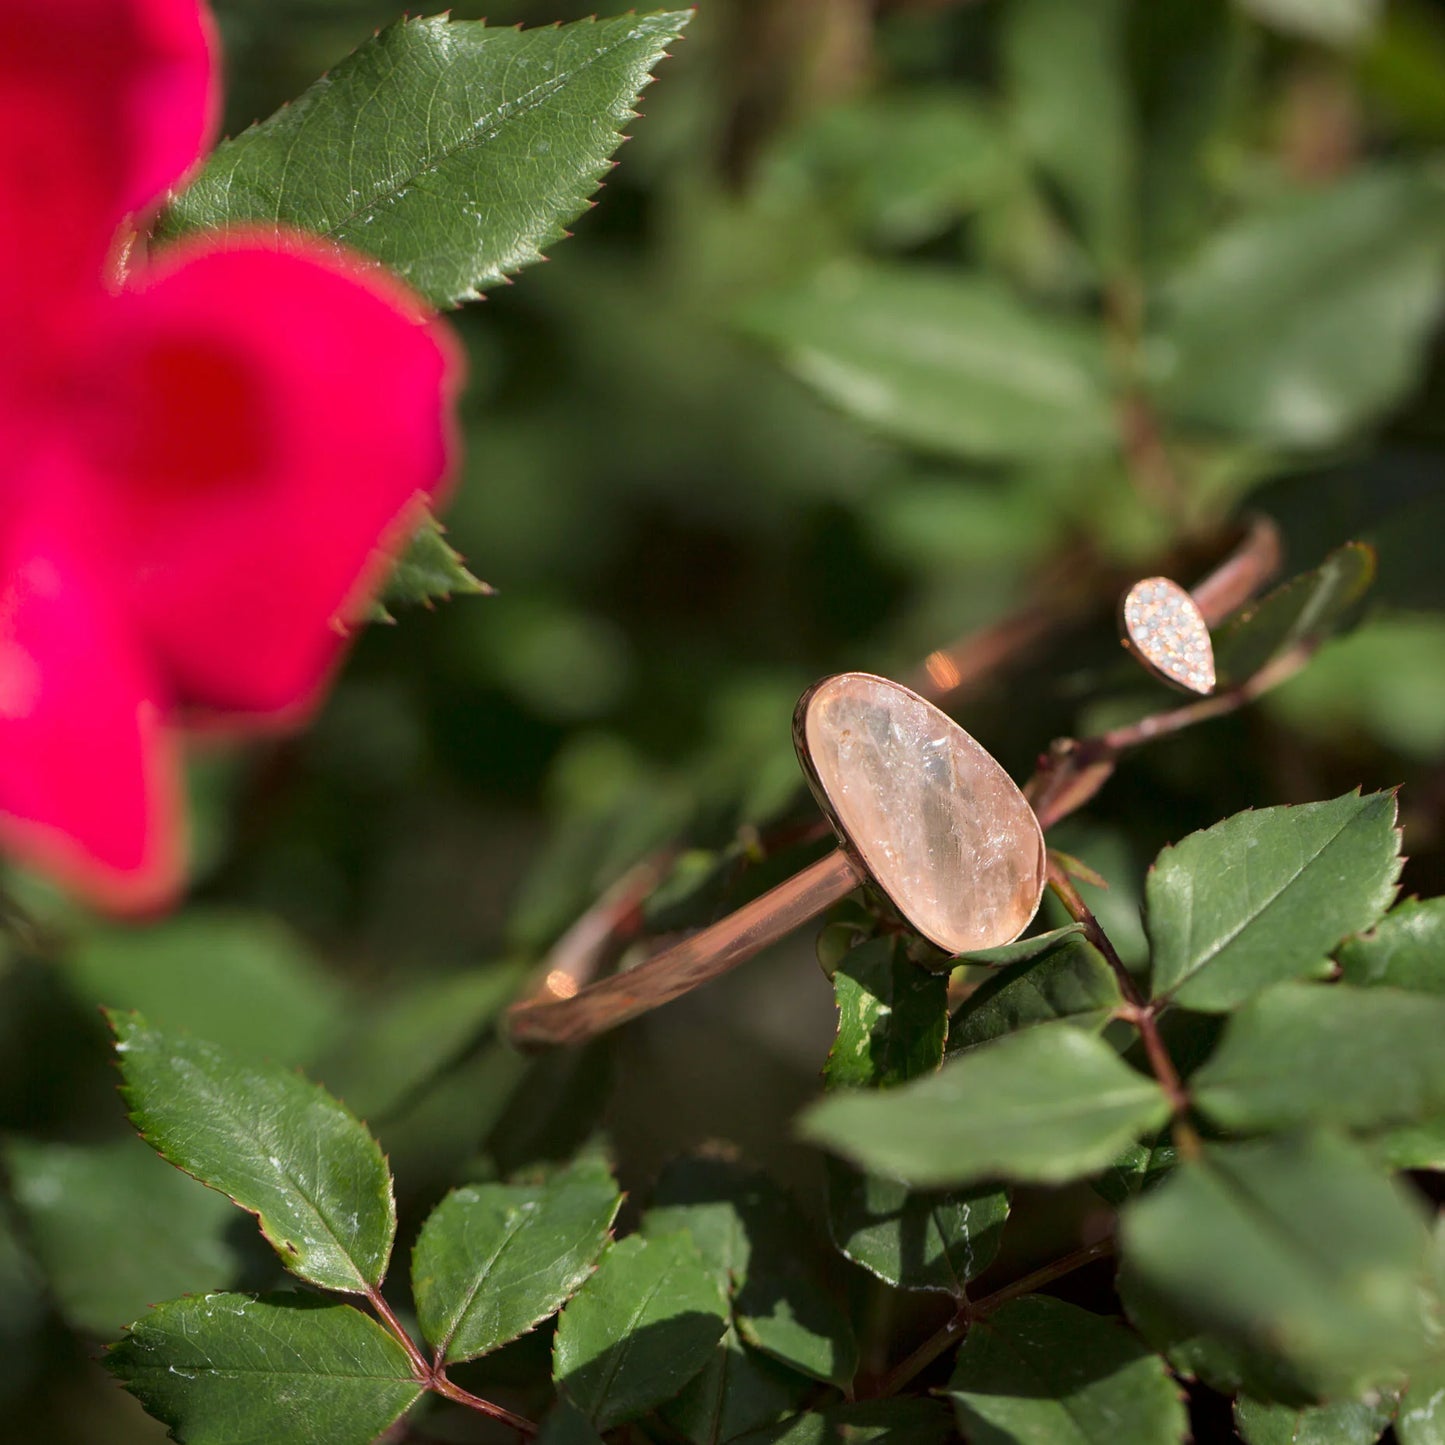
1169	633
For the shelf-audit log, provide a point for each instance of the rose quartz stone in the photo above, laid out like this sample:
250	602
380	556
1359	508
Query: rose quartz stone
942	829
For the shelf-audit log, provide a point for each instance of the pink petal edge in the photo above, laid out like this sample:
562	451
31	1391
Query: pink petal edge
291	409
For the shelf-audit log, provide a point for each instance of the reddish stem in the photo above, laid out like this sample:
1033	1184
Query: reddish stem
433	1377
952	1329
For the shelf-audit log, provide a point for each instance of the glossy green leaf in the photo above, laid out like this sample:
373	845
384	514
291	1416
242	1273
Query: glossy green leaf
492	1260
1420	1419
115	1229
757	1244
451	151
1306	319
279	1146
1307	607
1021	949
914	1238
1042	1372
1071	982
738	1390
640	1328
892	1017
428	571
220	1369
946	362
1405	949
1141	1166
1305	1053
1334	22
242	980
1265	896
1048	1104
1294	1250
1349	1422
1069	96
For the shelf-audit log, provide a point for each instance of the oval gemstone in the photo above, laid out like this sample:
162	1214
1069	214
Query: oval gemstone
1168	633
939	825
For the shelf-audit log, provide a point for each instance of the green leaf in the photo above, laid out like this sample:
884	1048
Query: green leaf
450	151
1412	1146
739	1389
404	1038
1186	61
1307	607
900	166
1042	1372
279	1146
115	1229
1070	983
1048	1104
242	980
914	1239
1293	1251
1348	1422
1021	950
567	1425
1386	679
868	1422
892	1017
1305	1053
950	363
428	571
890	1422
1070	100
640	1328
1264	896
1307	319
1140	1167
1334	22
1405	949
759	1248
224	1368
1420	1419
493	1260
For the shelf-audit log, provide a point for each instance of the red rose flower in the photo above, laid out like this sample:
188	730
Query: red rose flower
204	466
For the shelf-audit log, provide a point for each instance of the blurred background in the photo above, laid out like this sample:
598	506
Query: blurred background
896	317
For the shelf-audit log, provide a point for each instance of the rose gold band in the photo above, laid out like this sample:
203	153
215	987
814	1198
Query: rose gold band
565	1009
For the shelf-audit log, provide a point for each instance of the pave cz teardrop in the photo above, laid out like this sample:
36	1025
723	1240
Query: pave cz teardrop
1165	630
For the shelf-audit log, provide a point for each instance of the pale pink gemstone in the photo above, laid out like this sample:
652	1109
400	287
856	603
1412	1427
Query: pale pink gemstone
940	826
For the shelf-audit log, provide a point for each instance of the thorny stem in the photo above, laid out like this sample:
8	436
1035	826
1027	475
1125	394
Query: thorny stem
1074	769
433	1377
949	1333
454	1392
1137	1010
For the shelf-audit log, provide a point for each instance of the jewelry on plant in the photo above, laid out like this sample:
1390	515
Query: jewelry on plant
1164	629
923	813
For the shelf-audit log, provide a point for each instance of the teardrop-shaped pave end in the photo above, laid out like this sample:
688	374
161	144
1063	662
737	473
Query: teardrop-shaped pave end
1165	630
931	816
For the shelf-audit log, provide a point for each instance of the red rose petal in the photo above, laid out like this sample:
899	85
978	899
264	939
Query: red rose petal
282	414
87	772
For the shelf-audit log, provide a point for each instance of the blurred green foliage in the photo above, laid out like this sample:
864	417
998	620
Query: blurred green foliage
892	315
